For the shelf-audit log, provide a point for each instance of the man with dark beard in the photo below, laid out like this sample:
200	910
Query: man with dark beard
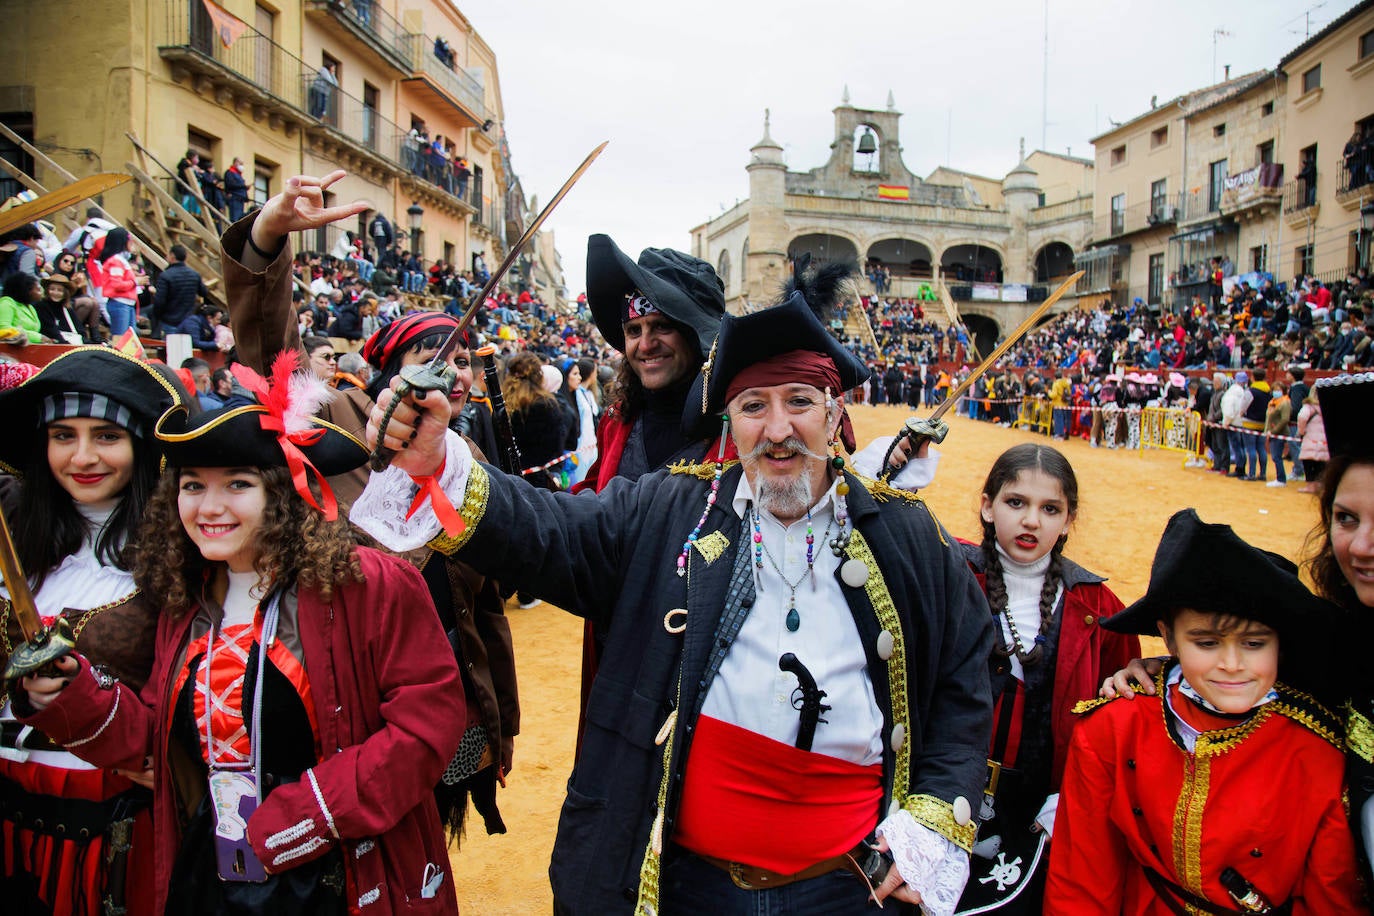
723	588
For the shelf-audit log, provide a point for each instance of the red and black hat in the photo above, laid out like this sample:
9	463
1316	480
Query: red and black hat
398	336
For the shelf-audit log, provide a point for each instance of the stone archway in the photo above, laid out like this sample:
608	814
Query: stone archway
823	247
903	257
971	263
1054	259
984	330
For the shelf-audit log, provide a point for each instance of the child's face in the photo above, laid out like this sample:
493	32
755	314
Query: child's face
1232	670
1030	514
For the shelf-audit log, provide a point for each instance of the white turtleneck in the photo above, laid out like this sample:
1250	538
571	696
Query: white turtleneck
81	581
1024	582
241	599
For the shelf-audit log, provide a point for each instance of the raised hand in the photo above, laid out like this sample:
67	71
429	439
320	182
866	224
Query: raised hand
300	206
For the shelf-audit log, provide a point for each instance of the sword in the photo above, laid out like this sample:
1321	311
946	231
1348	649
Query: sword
930	427
436	375
42	645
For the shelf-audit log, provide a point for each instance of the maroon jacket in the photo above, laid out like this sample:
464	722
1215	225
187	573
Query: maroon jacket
390	716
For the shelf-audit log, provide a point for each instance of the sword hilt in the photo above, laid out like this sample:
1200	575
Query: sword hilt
46	646
915	429
413	378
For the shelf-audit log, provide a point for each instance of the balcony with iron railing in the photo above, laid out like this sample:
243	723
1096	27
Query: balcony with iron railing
1158	213
1300	204
1075	208
254	69
440	78
1356	184
366	26
339	116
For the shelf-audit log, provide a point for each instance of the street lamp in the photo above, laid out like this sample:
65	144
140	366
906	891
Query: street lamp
416	213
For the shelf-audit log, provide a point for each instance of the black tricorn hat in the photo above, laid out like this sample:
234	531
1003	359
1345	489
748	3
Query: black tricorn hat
1347	403
746	340
684	288
147	389
1208	568
235	437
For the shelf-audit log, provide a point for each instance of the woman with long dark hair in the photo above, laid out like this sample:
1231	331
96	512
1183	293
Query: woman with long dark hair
296	732
84	470
535	416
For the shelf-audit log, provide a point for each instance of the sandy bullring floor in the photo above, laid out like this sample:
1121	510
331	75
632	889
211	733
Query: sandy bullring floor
1125	500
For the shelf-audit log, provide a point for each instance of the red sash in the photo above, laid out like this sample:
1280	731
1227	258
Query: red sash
750	799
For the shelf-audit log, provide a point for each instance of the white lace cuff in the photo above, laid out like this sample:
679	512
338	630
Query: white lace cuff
916	474
1046	816
930	864
382	507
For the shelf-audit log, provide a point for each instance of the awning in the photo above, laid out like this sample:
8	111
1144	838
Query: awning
1097	255
1207	231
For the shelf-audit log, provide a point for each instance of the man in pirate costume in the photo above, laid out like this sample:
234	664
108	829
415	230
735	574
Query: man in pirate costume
257	273
795	656
1222	791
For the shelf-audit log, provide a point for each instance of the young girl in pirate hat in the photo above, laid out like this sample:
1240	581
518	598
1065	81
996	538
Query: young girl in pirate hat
296	732
1222	792
79	446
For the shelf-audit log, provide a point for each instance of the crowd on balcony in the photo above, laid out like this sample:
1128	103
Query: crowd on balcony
436	161
1359	157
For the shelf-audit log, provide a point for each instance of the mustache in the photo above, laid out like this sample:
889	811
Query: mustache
791	442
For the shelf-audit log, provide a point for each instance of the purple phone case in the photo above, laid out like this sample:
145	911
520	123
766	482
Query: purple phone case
235	858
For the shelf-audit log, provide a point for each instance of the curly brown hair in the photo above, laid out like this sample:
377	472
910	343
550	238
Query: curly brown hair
297	544
1330	582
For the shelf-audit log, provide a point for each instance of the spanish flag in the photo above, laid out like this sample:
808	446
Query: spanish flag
129	344
894	192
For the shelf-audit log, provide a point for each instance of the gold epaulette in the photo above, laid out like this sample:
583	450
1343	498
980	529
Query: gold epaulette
701	470
1359	733
882	491
1304	709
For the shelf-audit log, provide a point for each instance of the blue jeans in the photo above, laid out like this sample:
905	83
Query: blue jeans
1061	423
121	315
365	269
1236	439
1256	456
1276	453
689	885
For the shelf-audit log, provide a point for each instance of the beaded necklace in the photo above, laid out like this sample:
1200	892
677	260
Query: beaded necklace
793	619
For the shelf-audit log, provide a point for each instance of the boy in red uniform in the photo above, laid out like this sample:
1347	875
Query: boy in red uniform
1228	781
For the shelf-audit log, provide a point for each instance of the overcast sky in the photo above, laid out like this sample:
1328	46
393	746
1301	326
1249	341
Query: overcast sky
680	88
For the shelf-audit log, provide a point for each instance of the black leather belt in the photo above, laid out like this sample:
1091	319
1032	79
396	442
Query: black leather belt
68	818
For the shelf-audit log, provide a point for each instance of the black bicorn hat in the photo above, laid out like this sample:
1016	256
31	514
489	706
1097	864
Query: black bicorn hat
146	390
235	437
1210	569
1347	403
280	430
746	340
685	289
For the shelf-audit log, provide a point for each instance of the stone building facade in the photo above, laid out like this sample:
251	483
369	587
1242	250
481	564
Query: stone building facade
994	246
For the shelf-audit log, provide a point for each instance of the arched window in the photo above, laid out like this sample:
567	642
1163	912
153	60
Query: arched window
723	268
868	144
744	262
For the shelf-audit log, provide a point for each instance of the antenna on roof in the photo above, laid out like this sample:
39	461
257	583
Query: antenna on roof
1216	34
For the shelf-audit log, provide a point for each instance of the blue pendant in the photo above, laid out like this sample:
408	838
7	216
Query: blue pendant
793	621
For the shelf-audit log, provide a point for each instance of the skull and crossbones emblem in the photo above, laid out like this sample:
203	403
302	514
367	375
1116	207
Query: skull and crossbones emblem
1003	872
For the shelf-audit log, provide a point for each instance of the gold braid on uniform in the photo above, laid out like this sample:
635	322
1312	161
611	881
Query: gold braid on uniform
701	470
1359	733
472	510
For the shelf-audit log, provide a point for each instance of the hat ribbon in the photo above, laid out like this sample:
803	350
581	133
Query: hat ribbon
275	399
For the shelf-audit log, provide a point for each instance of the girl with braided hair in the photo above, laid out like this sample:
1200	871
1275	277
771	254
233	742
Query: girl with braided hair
1049	653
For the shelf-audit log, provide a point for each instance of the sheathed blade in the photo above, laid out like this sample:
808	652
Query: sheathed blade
21	598
1021	330
452	343
63	197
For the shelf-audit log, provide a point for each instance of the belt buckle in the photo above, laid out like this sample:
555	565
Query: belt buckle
994	777
737	875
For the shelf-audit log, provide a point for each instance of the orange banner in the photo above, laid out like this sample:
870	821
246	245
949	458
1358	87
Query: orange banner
227	26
